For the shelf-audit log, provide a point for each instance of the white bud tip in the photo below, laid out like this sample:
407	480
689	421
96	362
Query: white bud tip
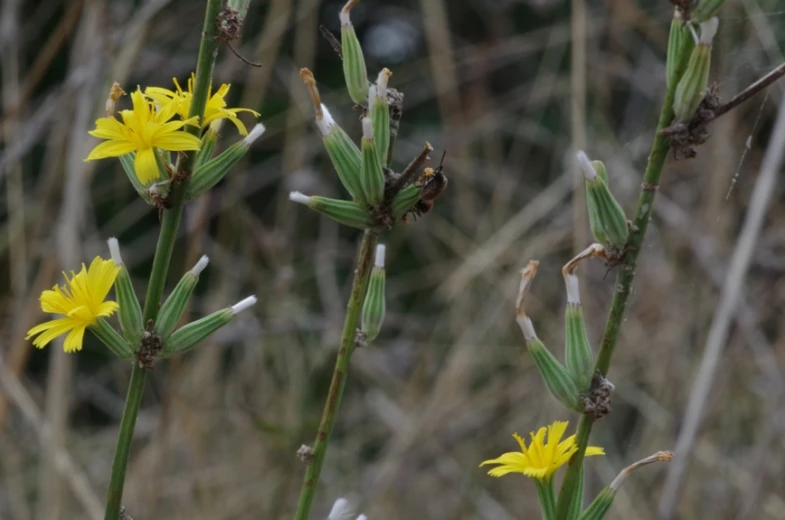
573	289
216	125
381	83
200	265
526	327
255	134
371	92
709	30
367	128
362	517
326	123
296	196
114	251
380	249
585	164
340	509
240	306
344	14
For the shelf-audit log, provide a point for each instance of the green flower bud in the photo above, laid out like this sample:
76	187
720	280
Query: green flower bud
209	173
353	61
692	87
380	113
209	139
404	200
600	505
577	352
129	312
188	336
113	341
606	217
344	154
557	379
174	306
705	10
127	161
342	211
679	40
371	175
373	308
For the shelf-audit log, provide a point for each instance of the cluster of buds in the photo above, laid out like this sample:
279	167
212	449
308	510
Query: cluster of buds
692	86
379	196
162	338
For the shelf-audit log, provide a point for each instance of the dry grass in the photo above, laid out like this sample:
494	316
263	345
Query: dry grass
448	380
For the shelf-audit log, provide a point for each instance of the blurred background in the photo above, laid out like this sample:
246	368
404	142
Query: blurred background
510	88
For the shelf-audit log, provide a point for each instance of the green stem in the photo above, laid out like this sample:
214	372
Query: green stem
353	308
163	254
547	497
651	182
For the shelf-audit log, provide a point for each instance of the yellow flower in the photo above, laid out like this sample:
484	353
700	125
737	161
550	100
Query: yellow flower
542	458
81	301
180	103
142	130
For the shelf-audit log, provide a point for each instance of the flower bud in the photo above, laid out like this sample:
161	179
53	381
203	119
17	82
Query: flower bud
577	352
404	200
705	10
209	173
606	217
353	61
188	336
380	114
599	506
679	42
692	87
342	211
373	308
127	161
113	341
371	175
557	379
129	312
209	139
174	306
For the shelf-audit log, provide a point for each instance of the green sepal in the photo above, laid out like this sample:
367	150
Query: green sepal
577	352
189	336
343	211
557	379
127	161
404	200
371	175
112	339
354	71
174	306
373	310
346	158
691	88
129	313
380	114
607	220
599	506
209	173
680	40
205	152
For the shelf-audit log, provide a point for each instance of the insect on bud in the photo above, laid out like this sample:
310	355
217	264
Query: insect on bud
577	351
606	217
342	211
354	71
372	315
692	87
380	113
371	175
680	41
129	312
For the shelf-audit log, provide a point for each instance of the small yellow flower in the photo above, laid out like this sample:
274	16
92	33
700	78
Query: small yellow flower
180	103
542	458
142	130
81	301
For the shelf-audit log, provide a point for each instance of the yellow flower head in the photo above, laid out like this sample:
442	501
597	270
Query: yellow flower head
180	102
542	458
81	301
142	130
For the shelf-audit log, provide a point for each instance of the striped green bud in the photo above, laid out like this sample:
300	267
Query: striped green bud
679	42
119	346
600	505
577	351
372	315
127	161
404	200
129	312
211	172
344	154
380	113
705	10
557	379
606	217
342	211
174	306
691	88
189	336
353	60
371	175
209	139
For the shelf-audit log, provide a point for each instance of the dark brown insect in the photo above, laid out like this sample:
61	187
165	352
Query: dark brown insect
432	183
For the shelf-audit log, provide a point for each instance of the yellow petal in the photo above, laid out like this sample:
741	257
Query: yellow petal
111	149
106	309
49	330
177	141
109	128
594	450
73	341
101	276
146	166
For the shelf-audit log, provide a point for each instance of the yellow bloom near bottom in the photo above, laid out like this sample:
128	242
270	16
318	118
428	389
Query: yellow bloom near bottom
80	301
542	457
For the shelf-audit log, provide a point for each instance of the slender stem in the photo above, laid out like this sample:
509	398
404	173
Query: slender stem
751	90
545	492
353	308
163	254
651	181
